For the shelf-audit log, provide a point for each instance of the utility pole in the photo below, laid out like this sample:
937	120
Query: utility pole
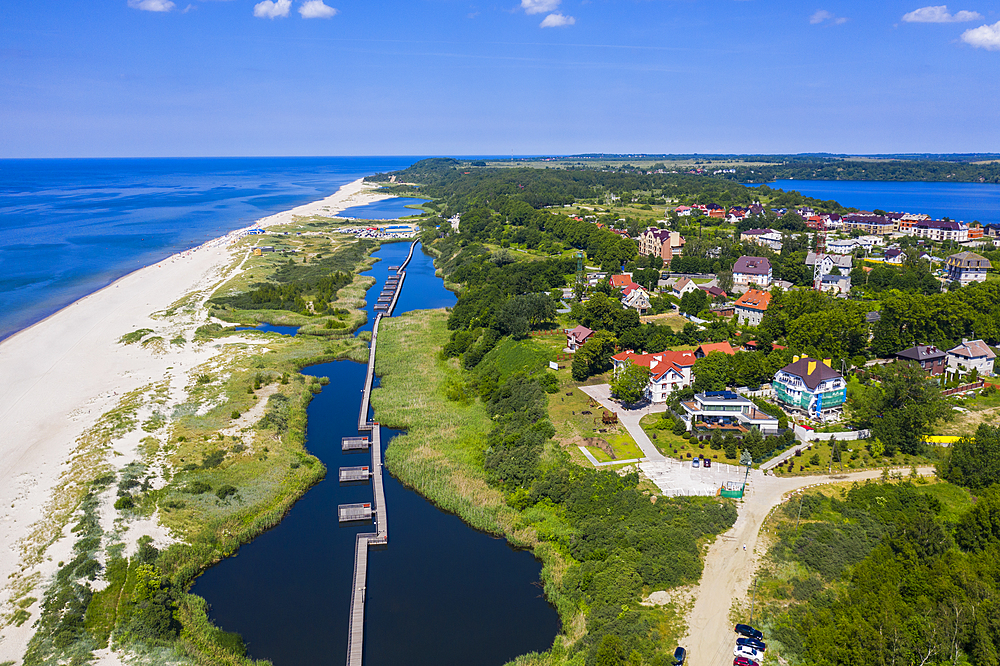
746	459
753	600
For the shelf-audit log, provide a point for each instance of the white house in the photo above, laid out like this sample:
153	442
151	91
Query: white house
969	355
669	371
752	271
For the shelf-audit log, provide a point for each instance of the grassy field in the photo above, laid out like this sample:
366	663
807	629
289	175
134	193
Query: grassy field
979	409
674	321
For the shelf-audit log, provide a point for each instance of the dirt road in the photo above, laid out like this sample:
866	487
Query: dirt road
729	570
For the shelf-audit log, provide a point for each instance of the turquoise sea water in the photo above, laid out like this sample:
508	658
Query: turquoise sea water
959	201
70	227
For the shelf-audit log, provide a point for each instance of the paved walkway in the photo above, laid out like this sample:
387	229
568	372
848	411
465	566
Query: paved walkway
596	463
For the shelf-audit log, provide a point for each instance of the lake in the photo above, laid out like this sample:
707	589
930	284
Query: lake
440	593
965	202
386	209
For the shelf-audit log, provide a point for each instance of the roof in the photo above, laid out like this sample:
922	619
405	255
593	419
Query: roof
620	280
811	371
921	353
714	292
839	260
754	299
973	349
723	347
659	364
752	266
680	284
968	260
580	333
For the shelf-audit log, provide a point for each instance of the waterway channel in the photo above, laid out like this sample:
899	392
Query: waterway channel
441	593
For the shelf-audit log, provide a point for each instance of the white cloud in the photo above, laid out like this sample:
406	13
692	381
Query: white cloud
151	5
984	37
269	9
316	9
823	15
820	16
539	6
939	14
557	21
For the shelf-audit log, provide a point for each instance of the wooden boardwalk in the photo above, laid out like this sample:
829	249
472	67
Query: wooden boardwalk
356	626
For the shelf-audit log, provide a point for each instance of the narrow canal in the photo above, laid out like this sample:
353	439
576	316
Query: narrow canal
441	593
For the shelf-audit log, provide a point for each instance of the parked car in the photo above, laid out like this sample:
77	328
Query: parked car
680	654
752	642
694	463
743	661
748	652
708	463
749	632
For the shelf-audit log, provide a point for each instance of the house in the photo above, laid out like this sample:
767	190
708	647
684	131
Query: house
661	243
713	292
575	337
967	267
749	271
635	297
619	281
764	237
706	349
683	211
827	262
869	223
930	358
870	242
725	408
669	371
842	246
941	230
836	284
972	355
751	306
894	256
682	286
812	387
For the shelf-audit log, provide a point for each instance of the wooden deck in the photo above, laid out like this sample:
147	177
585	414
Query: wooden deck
349	513
354	474
354	444
356	625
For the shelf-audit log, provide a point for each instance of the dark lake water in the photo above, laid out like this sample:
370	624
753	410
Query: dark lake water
386	209
965	202
271	328
441	593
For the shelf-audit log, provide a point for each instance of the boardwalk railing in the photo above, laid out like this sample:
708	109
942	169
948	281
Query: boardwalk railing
380	537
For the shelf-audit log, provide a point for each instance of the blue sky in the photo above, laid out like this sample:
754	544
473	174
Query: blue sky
368	77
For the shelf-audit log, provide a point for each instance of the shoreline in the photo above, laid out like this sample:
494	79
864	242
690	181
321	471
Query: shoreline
67	371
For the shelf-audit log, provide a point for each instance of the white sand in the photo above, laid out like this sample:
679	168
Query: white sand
59	376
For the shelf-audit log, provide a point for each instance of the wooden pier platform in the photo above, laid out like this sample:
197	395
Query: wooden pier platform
354	444
350	513
355	474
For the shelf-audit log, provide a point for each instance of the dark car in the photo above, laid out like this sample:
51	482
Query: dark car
752	642
680	654
744	661
748	631
707	463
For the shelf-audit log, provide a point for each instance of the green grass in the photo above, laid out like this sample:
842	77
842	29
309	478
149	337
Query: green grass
955	500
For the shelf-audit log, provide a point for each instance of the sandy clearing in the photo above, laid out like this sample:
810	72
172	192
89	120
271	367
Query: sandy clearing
729	570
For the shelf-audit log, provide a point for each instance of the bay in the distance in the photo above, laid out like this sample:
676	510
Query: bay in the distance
965	202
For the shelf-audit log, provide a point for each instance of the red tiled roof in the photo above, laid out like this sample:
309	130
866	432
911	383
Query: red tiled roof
661	363
754	299
723	347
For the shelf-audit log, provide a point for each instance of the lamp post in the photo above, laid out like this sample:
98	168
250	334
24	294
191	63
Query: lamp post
747	460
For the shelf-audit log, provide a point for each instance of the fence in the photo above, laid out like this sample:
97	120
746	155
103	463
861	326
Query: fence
808	435
965	387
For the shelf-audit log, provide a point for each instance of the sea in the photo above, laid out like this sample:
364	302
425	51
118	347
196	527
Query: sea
965	202
69	227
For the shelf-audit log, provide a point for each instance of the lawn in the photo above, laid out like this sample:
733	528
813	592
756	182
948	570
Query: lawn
674	321
981	409
675	446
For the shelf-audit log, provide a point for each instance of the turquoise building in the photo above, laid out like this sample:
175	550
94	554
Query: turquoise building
811	387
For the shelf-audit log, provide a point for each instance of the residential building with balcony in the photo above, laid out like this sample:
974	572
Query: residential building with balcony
967	267
812	387
718	409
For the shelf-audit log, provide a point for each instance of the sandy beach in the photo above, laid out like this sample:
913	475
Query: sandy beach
62	375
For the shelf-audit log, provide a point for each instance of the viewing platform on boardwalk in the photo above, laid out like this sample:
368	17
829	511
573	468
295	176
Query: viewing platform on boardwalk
350	513
354	444
355	474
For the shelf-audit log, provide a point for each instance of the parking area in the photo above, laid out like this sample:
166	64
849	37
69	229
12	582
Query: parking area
676	477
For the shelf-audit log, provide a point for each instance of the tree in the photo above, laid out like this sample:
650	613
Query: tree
974	462
900	411
629	383
979	527
594	356
694	301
